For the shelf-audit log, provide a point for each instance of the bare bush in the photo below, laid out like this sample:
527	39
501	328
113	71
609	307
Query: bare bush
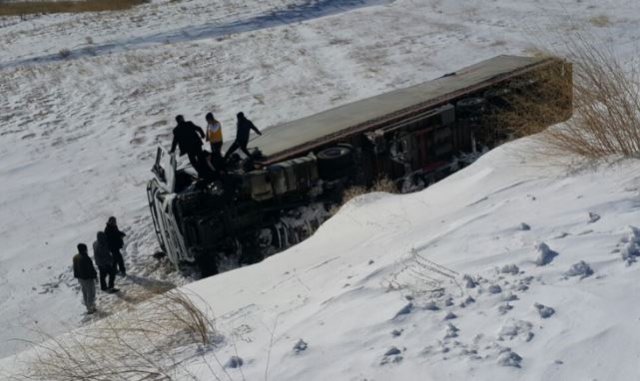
606	100
138	344
529	104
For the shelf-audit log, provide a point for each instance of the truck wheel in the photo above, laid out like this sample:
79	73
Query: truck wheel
334	162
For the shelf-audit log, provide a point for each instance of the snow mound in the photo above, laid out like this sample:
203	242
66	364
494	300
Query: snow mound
544	311
630	249
509	358
545	254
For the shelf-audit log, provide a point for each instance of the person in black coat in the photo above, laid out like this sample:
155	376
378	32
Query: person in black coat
86	274
105	262
188	137
115	243
244	128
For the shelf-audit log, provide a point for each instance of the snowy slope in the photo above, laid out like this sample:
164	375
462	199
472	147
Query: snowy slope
77	135
472	278
396	271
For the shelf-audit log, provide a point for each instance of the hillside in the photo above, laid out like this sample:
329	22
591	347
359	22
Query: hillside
85	98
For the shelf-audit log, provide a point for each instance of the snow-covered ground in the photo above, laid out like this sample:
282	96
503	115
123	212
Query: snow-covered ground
473	278
77	137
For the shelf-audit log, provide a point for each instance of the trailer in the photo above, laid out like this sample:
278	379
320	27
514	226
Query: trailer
299	171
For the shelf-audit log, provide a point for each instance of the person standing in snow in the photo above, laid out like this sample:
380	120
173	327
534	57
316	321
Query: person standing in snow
244	128
104	260
115	243
84	271
188	137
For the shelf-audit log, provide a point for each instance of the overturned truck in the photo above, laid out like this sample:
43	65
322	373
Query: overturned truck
411	137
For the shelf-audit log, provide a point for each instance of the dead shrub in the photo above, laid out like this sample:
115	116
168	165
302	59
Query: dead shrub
529	104
383	184
606	99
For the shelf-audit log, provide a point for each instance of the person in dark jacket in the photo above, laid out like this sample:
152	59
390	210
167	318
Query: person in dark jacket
84	271
244	128
188	137
104	260
115	243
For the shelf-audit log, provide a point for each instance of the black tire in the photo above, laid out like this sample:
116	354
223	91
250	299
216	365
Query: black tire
335	162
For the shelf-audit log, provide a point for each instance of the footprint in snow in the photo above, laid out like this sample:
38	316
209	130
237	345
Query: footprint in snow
544	311
450	316
469	282
393	355
504	308
524	227
451	331
516	329
510	358
406	310
300	346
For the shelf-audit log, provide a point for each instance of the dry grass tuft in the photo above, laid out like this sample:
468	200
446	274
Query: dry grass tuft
382	185
607	106
138	344
39	7
529	104
600	21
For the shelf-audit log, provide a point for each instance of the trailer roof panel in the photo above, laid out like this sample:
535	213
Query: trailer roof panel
331	123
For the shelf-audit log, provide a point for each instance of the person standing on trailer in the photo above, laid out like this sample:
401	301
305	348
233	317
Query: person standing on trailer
244	128
188	137
214	134
214	137
84	271
115	243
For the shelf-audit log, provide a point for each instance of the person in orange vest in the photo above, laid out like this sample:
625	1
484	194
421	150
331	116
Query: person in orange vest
214	137
214	134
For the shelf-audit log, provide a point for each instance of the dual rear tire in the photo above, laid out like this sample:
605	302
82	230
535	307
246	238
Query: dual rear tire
335	162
